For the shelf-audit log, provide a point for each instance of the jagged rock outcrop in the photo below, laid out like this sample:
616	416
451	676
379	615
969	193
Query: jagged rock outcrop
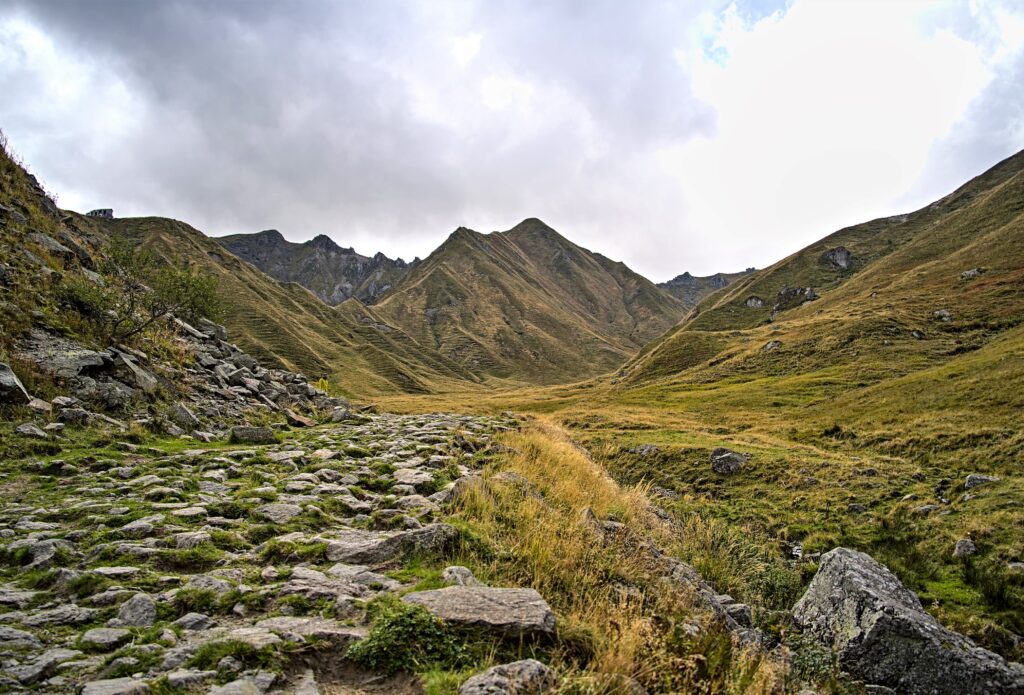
692	289
882	635
790	297
329	271
840	257
221	385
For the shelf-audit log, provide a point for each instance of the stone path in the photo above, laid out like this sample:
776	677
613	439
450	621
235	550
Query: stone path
121	572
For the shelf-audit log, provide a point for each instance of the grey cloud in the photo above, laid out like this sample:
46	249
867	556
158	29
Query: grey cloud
298	115
351	119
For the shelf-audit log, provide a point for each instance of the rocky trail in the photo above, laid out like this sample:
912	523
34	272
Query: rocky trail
234	568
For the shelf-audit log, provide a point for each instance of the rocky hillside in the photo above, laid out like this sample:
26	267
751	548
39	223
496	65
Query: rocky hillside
331	272
691	289
352	345
528	305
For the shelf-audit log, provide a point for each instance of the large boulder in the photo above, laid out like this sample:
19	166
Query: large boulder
508	612
839	256
882	635
11	390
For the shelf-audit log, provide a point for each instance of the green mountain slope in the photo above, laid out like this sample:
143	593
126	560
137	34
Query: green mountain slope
284	323
529	305
331	272
901	303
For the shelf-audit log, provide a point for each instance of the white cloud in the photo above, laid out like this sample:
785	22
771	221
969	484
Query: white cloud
826	115
464	48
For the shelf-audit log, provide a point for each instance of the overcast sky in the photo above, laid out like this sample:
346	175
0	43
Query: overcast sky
689	135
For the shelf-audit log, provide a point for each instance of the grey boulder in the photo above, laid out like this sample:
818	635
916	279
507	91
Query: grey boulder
138	611
727	461
526	677
882	635
11	390
253	435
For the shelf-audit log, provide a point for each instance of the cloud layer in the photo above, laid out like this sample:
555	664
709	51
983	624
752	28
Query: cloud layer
674	136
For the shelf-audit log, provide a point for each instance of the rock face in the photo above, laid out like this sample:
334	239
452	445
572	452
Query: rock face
840	257
526	677
691	289
509	612
882	635
329	271
11	390
105	213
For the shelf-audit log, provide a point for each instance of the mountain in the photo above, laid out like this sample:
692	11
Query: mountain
331	272
892	295
691	289
284	324
529	305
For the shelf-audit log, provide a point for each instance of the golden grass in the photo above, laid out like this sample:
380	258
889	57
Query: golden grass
617	620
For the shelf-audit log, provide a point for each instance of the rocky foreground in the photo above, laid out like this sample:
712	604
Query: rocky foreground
230	567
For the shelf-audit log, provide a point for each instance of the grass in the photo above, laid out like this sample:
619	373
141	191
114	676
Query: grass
542	536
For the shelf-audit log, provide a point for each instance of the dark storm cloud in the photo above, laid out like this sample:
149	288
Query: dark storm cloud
304	116
388	123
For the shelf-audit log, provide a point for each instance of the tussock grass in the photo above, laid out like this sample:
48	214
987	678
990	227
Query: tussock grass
531	522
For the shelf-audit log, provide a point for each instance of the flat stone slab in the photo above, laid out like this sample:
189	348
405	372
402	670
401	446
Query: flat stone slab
378	547
105	638
116	686
279	513
300	629
509	612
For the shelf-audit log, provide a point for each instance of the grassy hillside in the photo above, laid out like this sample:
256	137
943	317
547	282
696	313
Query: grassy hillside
879	312
283	323
864	410
528	304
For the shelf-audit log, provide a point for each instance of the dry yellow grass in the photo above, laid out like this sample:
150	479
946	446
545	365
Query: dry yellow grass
618	620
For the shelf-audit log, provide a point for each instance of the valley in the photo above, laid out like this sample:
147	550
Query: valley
654	477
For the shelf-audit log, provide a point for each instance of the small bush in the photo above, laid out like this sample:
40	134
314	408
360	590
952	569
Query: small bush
407	638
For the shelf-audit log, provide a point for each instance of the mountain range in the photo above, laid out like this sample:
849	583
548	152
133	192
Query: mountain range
526	304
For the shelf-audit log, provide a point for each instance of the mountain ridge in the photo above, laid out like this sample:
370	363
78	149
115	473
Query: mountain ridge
527	302
332	272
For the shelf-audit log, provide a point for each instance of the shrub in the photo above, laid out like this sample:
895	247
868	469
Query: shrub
408	638
138	292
